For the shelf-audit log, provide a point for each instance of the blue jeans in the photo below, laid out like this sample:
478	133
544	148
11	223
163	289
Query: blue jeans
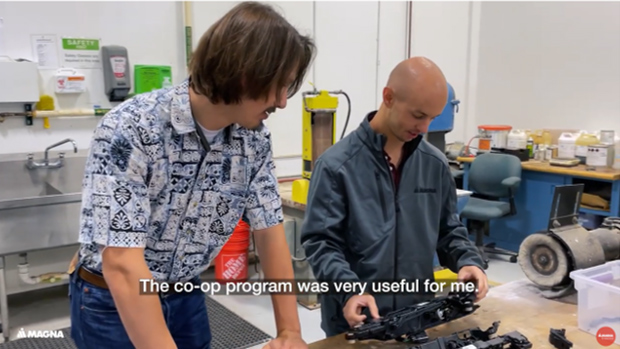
96	324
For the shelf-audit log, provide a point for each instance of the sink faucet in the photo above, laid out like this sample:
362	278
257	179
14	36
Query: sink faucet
31	164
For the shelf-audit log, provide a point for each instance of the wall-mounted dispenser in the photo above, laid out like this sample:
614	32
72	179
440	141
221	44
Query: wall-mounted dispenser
19	81
116	73
68	80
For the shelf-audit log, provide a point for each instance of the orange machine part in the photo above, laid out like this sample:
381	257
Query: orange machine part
484	144
495	127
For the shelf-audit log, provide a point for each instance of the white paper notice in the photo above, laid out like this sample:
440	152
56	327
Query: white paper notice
45	51
81	53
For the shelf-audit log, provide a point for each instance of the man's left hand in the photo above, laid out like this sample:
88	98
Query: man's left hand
472	273
287	340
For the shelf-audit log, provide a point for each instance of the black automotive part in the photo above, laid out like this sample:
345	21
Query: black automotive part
558	339
478	339
410	323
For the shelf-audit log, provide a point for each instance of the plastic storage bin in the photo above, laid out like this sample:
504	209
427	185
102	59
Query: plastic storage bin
598	298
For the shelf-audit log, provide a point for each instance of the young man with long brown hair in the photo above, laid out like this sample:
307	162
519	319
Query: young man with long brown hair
169	175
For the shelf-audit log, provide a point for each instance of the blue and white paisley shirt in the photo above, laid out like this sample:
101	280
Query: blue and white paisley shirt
150	183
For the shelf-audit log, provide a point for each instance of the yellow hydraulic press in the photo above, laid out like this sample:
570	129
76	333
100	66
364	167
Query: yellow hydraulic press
319	133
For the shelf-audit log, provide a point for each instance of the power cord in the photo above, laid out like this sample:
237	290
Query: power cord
346	123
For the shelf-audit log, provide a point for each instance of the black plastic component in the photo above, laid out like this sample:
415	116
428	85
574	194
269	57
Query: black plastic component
28	110
522	154
478	339
410	323
118	94
558	339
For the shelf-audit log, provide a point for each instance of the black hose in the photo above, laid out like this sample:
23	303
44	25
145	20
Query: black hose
346	123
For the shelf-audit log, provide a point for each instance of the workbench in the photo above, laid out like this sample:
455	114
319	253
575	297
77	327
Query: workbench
517	305
535	193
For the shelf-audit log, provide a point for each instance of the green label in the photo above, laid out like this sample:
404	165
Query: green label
80	44
100	111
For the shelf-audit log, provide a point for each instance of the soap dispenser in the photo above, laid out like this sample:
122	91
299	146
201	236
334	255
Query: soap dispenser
116	70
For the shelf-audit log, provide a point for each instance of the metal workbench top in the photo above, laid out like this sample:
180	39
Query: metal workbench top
517	305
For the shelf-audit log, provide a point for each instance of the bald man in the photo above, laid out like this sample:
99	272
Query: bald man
382	201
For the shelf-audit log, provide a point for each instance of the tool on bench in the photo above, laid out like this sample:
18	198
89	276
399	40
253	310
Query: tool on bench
319	133
475	338
557	338
411	323
564	162
547	257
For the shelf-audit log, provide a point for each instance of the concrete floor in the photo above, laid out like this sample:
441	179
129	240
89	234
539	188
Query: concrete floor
49	309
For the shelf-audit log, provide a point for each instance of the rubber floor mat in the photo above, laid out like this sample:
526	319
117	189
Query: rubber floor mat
228	330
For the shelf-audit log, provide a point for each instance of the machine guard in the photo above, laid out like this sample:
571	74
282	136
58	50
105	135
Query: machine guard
319	134
565	243
582	248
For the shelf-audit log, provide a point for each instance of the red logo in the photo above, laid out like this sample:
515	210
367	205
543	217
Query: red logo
605	336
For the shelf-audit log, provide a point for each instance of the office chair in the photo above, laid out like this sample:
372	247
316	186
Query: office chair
493	178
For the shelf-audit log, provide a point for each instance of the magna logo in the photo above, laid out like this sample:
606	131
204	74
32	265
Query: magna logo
40	334
605	336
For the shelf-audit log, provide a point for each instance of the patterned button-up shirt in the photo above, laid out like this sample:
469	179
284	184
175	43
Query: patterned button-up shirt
150	183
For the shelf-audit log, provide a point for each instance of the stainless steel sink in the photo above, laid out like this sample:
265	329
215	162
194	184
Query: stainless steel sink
39	208
48	189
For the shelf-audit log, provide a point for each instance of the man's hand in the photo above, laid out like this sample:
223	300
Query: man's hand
287	340
353	309
472	273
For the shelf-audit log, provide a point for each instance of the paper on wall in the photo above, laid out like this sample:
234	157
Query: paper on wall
45	51
81	53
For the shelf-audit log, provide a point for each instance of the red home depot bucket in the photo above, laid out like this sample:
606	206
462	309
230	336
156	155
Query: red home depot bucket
231	264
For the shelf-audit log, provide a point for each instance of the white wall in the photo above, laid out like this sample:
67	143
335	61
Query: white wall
506	61
526	64
358	45
530	65
152	35
549	65
135	30
441	31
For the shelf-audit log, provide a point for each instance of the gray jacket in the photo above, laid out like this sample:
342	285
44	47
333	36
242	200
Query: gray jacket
357	227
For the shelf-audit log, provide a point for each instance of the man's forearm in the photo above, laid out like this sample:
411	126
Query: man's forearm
141	314
278	266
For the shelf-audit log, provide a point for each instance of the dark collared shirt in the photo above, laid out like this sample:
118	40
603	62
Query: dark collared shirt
396	169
